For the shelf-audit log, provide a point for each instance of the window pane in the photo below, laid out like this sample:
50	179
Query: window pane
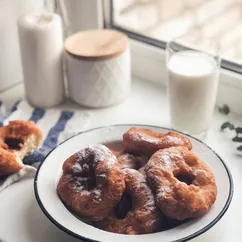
164	20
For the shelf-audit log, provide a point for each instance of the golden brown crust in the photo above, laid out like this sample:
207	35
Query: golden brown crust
18	131
8	162
2	143
184	185
144	217
92	182
147	142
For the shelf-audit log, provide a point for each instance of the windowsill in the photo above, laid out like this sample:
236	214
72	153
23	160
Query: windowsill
148	97
147	104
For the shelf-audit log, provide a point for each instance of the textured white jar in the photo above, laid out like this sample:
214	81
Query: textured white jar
100	78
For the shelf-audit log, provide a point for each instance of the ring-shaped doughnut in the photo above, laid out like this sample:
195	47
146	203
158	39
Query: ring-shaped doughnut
146	142
143	217
92	182
17	139
184	185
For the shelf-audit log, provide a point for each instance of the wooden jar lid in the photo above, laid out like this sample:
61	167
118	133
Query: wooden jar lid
97	44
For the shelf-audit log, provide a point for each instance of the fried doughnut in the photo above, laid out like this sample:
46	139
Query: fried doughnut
131	161
92	182
17	139
143	218
147	142
184	185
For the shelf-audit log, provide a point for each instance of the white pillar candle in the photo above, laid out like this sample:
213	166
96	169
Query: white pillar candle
41	45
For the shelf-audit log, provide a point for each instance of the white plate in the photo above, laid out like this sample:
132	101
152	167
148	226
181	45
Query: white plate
50	170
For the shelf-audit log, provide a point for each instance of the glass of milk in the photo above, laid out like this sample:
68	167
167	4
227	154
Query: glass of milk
193	77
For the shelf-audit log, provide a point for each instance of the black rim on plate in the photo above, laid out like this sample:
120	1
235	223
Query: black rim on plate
189	237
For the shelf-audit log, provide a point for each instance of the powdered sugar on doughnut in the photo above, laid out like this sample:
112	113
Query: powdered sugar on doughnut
99	153
97	198
155	140
103	153
92	182
143	217
84	192
146	142
101	175
173	139
200	172
186	187
168	163
76	168
163	192
138	182
138	137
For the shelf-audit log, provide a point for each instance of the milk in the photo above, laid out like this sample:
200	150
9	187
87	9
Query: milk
192	90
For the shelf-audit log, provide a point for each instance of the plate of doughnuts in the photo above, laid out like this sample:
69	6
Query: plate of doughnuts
135	183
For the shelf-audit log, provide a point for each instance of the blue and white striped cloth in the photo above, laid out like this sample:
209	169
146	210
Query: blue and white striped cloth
56	124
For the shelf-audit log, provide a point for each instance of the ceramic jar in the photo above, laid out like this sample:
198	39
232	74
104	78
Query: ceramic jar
98	67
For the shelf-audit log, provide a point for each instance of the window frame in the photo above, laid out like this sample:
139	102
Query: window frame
225	64
149	63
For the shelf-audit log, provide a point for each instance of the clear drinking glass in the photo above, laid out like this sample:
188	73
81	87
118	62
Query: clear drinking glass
193	65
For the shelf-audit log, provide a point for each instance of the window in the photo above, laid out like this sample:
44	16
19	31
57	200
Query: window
157	21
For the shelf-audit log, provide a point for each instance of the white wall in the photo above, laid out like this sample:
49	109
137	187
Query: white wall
10	64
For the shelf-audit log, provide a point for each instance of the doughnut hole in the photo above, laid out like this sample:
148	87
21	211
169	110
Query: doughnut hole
124	206
89	179
14	144
187	178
